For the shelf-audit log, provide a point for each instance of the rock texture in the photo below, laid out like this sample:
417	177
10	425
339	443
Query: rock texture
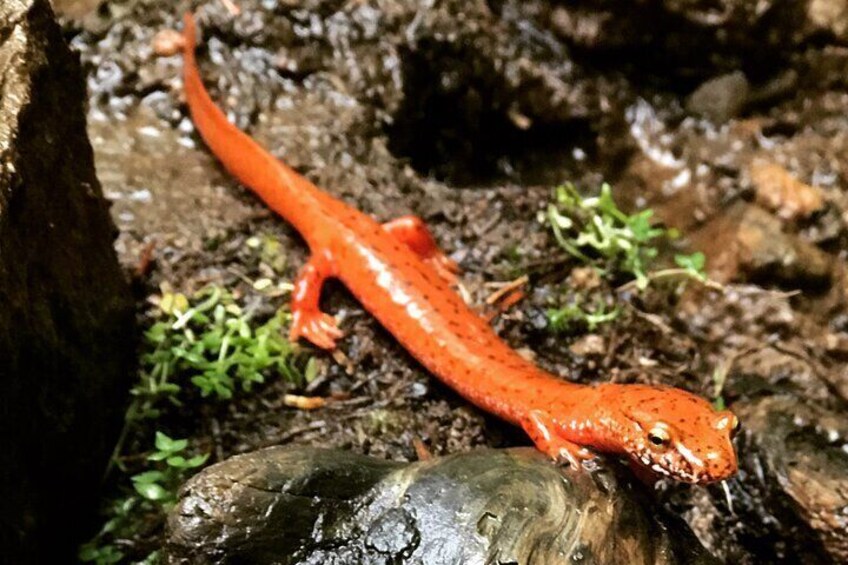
748	243
795	458
304	505
65	311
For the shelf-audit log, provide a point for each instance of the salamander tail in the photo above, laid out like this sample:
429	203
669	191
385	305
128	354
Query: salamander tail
277	184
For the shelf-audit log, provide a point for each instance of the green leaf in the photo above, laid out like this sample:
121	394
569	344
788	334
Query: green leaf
311	370
203	384
152	491
177	461
197	461
148	477
694	262
169	388
165	443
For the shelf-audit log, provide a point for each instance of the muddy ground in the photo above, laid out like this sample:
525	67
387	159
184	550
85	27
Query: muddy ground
467	114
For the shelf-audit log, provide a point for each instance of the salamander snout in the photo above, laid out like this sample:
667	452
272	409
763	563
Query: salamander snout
718	452
677	434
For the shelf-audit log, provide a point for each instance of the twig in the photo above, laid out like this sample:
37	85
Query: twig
421	450
506	288
304	402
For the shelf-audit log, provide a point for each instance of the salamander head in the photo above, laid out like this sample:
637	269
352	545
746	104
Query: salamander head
673	433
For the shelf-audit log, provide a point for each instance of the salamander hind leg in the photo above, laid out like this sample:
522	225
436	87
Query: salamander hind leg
308	321
413	232
542	430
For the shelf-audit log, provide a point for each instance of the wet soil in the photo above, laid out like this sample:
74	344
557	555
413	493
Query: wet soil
467	113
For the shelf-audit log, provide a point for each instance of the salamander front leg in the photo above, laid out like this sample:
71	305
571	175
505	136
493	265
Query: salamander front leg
413	232
542	430
307	319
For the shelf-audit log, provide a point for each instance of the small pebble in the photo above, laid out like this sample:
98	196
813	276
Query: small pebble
168	42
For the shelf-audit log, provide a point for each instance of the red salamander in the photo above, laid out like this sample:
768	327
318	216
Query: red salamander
402	278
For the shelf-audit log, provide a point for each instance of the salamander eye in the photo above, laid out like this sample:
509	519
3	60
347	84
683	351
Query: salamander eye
659	436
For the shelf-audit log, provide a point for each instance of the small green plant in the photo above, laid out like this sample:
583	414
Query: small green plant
160	484
619	246
205	348
693	265
155	491
596	231
214	344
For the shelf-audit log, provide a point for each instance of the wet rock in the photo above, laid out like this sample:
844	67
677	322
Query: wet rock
747	243
721	98
795	481
66	335
304	505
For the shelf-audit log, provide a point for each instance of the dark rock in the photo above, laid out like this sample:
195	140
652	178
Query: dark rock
304	505
794	486
66	328
721	98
